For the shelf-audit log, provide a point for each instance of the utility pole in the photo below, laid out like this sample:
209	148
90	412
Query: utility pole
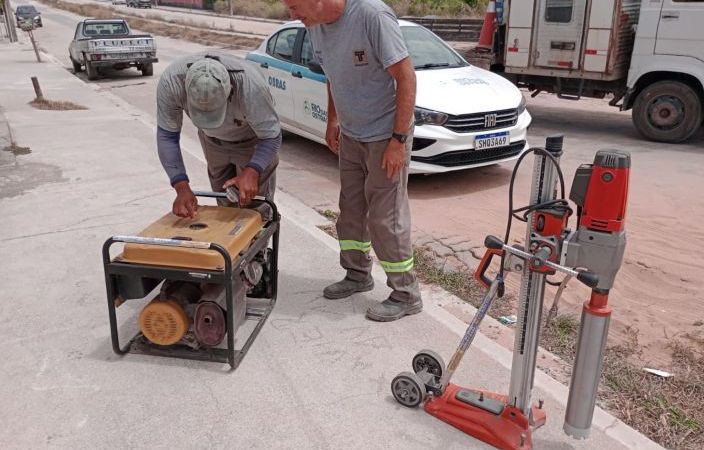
9	23
232	6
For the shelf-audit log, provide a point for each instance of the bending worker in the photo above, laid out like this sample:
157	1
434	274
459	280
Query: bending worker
231	106
371	98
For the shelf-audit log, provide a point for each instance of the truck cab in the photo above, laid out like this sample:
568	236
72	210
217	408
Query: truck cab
666	76
648	54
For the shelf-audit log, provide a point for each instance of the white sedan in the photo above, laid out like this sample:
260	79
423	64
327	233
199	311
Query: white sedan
465	116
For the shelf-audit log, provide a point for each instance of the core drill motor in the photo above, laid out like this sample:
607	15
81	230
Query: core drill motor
592	253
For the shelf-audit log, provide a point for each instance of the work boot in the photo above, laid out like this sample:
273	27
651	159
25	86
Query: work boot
391	309
347	287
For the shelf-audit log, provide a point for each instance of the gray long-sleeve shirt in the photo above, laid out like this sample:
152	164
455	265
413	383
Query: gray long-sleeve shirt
250	114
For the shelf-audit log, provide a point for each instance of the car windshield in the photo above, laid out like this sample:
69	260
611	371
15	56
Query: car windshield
429	51
26	10
104	29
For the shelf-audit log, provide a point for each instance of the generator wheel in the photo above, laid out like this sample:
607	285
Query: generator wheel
408	389
429	360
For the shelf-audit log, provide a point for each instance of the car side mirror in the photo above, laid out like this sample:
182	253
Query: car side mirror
315	67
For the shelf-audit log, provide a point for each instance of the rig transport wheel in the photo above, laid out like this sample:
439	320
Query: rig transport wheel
408	389
429	360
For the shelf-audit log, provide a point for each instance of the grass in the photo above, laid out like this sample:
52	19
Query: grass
460	283
53	105
560	336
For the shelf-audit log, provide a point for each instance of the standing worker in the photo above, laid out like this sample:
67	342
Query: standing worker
371	99
230	104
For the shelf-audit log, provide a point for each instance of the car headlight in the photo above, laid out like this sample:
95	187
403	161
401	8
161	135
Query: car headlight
429	117
521	106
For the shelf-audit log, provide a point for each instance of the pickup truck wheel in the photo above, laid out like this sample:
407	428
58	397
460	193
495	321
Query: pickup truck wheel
91	71
667	111
76	65
147	69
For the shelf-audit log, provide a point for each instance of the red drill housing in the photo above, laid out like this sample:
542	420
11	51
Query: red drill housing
601	191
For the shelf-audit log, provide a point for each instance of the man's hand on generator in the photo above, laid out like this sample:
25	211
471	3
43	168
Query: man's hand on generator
247	183
186	203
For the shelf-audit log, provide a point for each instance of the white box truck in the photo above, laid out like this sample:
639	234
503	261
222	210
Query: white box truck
649	55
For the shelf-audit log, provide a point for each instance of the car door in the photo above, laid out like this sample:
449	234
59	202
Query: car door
680	31
276	68
310	96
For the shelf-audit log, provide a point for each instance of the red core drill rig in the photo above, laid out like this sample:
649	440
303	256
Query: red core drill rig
600	191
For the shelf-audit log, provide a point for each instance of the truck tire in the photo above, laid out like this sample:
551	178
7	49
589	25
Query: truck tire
667	111
147	69
76	65
91	71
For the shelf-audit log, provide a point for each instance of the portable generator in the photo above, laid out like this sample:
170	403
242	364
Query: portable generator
208	280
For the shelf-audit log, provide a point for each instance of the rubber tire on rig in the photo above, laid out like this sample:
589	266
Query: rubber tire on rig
408	389
430	360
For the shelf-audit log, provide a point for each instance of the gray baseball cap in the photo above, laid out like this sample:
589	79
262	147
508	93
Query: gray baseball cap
207	90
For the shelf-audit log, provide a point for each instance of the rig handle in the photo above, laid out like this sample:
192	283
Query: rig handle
494	247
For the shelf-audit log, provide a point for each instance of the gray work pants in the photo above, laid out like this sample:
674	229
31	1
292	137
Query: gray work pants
227	160
374	212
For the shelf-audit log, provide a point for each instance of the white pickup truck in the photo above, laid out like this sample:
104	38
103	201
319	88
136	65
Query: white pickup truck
99	44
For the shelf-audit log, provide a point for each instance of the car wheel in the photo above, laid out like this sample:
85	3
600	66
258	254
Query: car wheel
147	69
91	71
76	65
667	111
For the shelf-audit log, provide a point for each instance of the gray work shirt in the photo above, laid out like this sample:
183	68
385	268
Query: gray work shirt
355	52
250	112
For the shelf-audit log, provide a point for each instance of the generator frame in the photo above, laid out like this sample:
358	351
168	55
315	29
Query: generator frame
148	277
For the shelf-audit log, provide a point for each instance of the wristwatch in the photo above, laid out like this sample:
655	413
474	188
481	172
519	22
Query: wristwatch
402	138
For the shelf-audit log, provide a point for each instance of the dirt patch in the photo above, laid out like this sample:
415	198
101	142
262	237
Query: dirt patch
17	150
53	105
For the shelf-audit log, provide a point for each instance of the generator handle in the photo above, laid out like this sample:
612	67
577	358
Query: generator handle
162	241
168	243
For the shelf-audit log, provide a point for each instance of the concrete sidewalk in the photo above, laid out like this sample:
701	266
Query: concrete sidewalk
318	375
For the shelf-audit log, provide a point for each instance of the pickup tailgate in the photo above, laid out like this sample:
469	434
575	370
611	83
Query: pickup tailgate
123	48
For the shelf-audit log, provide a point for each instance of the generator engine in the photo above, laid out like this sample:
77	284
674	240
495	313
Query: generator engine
193	314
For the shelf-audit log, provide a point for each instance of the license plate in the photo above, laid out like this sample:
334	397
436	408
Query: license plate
493	140
125	55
